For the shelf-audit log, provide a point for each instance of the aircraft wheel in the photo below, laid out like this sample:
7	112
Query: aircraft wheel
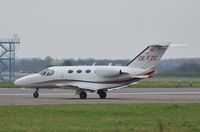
35	94
102	94
83	95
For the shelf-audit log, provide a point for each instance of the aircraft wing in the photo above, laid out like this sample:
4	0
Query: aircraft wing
125	86
72	87
66	86
75	87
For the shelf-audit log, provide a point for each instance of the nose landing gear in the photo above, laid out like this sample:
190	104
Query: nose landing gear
36	94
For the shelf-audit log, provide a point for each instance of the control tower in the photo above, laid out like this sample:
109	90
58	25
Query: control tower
7	57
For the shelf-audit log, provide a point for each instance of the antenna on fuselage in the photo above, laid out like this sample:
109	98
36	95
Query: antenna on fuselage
94	64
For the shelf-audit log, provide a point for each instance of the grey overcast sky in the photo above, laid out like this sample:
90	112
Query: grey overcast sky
115	29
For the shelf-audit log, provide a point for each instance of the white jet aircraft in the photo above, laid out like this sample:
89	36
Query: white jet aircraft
97	79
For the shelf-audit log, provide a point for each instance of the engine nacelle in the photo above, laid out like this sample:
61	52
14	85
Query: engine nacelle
108	72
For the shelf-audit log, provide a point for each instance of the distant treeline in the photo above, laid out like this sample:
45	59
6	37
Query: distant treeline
167	66
179	67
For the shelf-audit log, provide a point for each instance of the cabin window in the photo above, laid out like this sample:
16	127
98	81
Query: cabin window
50	72
70	71
79	71
88	71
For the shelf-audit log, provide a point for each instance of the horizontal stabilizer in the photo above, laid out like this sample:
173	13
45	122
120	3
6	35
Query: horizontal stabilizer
141	77
117	88
178	45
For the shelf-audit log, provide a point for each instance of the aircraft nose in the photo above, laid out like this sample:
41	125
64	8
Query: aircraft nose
26	81
19	82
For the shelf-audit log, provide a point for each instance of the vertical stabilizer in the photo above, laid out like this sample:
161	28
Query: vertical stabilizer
149	57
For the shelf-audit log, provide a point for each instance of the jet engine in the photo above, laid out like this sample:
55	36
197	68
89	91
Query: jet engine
108	72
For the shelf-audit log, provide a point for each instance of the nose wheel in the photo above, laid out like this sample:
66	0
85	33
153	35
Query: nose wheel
36	94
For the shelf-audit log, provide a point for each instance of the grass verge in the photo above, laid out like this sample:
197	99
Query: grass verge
7	85
110	117
168	82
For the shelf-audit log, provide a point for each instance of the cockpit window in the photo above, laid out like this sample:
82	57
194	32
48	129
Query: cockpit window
43	72
50	72
46	72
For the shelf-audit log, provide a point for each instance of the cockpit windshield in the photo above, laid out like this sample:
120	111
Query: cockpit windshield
50	72
46	72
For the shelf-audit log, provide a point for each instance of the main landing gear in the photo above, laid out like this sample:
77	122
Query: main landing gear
102	94
36	94
83	95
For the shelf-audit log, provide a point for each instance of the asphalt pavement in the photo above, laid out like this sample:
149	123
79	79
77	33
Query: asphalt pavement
18	96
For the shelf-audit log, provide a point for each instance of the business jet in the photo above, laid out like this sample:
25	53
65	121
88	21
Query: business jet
99	79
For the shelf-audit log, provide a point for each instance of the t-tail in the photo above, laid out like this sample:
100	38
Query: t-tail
149	57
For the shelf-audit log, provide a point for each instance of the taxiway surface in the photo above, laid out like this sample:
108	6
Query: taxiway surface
16	96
